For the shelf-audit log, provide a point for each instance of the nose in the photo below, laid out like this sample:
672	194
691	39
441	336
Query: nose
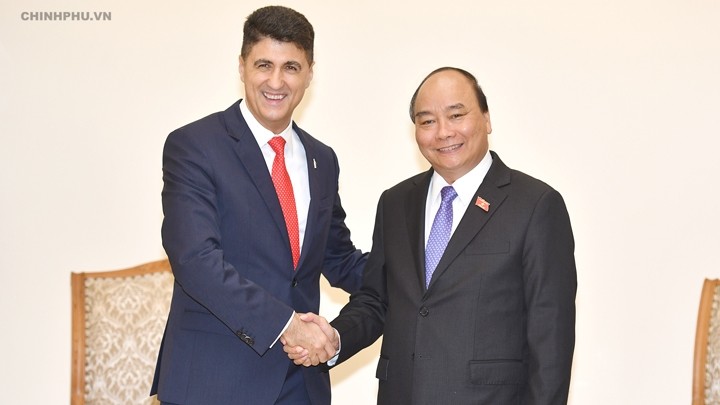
276	79
445	129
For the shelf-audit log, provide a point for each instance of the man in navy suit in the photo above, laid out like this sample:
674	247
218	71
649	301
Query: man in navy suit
246	262
485	315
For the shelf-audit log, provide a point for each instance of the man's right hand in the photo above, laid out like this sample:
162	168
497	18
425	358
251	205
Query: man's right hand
309	340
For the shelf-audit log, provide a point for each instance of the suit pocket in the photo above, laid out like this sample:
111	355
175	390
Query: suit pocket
204	322
381	373
498	372
488	248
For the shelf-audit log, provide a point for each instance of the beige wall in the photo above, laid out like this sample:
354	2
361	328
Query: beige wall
614	103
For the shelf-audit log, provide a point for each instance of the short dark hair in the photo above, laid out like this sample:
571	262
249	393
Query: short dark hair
281	24
482	100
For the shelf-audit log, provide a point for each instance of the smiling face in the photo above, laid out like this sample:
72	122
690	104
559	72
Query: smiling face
275	75
450	128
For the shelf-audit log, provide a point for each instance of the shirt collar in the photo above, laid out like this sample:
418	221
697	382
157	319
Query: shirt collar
263	135
466	186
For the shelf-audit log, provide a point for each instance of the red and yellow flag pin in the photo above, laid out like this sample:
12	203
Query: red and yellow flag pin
480	202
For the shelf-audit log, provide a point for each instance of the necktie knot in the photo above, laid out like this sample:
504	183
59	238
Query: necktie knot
277	143
448	194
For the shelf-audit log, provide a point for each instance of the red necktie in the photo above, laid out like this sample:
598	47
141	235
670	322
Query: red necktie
283	187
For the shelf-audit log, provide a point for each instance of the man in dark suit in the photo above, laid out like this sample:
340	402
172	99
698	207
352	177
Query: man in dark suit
488	317
252	218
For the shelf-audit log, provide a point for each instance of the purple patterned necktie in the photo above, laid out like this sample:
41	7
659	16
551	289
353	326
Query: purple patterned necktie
439	233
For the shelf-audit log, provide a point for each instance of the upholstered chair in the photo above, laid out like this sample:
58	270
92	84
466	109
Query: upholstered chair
706	372
118	318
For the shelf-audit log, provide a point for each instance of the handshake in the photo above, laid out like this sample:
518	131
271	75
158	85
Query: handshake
310	340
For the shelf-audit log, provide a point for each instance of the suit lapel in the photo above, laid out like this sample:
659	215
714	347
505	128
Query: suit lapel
415	218
248	151
475	217
315	193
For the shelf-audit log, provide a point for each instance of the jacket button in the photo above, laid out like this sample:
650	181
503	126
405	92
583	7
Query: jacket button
424	311
294	282
245	337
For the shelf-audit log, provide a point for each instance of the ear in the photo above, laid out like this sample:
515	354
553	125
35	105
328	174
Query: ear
488	125
241	68
310	75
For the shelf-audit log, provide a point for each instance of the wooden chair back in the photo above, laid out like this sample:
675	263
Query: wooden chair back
118	318
706	369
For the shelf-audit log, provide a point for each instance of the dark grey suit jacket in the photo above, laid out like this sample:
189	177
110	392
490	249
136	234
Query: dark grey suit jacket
496	325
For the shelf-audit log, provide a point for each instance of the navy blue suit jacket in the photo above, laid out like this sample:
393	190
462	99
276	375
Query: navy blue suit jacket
235	287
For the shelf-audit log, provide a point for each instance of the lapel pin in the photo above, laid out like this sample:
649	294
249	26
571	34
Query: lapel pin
314	164
480	202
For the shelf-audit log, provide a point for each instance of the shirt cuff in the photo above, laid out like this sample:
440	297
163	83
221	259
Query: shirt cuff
284	329
334	360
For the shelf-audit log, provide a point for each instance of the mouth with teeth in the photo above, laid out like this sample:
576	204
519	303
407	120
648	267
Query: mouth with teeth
450	149
274	97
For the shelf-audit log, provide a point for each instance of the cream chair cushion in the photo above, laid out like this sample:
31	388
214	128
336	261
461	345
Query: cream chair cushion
712	365
124	318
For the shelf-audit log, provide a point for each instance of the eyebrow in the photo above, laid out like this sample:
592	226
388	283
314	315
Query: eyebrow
458	106
296	64
262	62
421	113
453	107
